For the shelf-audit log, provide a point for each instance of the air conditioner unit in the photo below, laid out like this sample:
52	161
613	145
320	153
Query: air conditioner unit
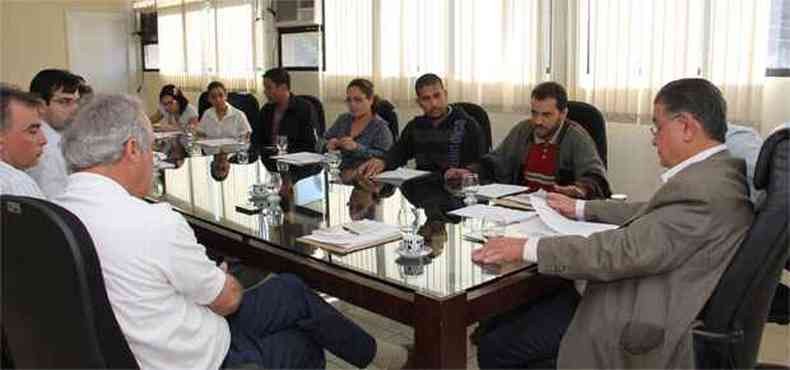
294	13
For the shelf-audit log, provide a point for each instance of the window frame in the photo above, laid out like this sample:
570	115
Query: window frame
302	29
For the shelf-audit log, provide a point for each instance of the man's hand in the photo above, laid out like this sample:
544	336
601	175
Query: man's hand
332	144
563	204
347	143
572	191
456	173
500	250
371	167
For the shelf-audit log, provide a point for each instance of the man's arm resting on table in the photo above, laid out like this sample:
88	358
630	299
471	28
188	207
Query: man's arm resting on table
229	299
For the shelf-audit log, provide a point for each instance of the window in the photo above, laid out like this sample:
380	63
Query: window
779	39
301	48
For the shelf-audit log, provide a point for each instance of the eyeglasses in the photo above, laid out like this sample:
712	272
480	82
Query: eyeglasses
656	129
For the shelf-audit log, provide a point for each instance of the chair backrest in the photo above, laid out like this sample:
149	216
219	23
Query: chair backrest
744	292
481	116
203	104
319	110
248	104
592	120
386	110
55	311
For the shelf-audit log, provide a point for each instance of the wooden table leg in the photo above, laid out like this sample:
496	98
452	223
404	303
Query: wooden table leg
440	332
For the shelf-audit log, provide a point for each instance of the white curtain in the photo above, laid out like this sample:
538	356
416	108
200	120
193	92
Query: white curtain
483	49
201	41
635	47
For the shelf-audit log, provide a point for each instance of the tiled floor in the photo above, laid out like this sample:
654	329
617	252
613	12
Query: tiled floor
775	347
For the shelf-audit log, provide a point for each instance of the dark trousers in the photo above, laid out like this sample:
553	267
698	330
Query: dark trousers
282	323
529	336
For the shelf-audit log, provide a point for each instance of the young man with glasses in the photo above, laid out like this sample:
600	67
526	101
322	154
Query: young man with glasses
60	91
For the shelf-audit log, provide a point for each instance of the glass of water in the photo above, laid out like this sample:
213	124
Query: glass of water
333	160
493	228
470	186
243	156
282	144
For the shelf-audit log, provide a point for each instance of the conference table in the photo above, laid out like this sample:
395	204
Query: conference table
439	295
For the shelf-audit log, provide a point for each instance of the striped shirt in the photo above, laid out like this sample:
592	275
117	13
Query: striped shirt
16	182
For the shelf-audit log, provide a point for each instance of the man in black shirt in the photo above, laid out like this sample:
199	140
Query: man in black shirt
286	115
442	138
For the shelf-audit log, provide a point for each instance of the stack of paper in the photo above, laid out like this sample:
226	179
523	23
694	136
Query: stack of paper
493	191
222	145
564	225
499	214
300	159
400	175
345	239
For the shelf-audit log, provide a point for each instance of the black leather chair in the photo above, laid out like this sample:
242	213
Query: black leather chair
386	110
248	104
592	120
203	104
479	114
733	319
319	109
55	311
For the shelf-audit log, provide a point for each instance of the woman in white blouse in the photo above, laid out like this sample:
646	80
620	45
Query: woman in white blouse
174	113
222	120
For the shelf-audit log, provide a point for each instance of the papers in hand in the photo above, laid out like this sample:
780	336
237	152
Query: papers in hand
563	225
504	215
300	159
400	175
493	191
340	236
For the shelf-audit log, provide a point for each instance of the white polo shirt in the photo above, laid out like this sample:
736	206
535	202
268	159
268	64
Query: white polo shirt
50	173
233	125
157	276
16	182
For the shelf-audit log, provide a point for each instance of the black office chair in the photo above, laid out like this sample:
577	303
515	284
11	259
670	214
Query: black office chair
55	311
479	114
780	312
734	316
248	104
592	120
319	109
203	104
386	110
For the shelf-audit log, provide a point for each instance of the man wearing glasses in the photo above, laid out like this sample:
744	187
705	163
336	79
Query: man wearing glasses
60	91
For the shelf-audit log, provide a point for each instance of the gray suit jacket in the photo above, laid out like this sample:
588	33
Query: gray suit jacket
649	278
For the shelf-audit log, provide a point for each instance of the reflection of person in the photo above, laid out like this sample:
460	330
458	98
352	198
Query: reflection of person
174	113
220	167
360	134
547	151
21	141
176	308
442	138
222	120
650	277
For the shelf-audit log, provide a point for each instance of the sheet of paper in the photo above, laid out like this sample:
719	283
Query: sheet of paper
564	225
505	215
217	142
493	191
301	158
337	235
166	134
400	175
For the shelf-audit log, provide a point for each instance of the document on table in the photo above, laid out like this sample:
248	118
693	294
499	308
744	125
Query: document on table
493	191
400	175
343	238
300	159
500	214
564	225
217	142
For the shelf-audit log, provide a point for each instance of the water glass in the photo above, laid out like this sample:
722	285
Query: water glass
275	183
282	144
470	184
493	228
242	156
333	160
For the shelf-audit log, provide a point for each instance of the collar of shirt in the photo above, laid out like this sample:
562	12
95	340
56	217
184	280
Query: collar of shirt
699	157
8	166
96	183
554	138
52	135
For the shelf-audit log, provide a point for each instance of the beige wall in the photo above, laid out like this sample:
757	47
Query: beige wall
33	34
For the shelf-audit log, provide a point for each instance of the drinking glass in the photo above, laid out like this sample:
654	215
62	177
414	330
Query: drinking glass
493	228
243	156
282	144
471	184
333	160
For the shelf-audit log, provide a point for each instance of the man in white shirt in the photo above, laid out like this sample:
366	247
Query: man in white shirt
176	308
649	278
21	141
60	91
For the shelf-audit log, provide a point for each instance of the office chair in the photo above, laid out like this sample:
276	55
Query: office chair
733	318
203	104
319	110
386	110
55	309
589	117
479	114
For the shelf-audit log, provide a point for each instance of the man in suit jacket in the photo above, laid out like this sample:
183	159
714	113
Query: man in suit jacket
648	279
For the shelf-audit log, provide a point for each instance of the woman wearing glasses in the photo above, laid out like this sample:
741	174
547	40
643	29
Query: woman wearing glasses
359	134
174	113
